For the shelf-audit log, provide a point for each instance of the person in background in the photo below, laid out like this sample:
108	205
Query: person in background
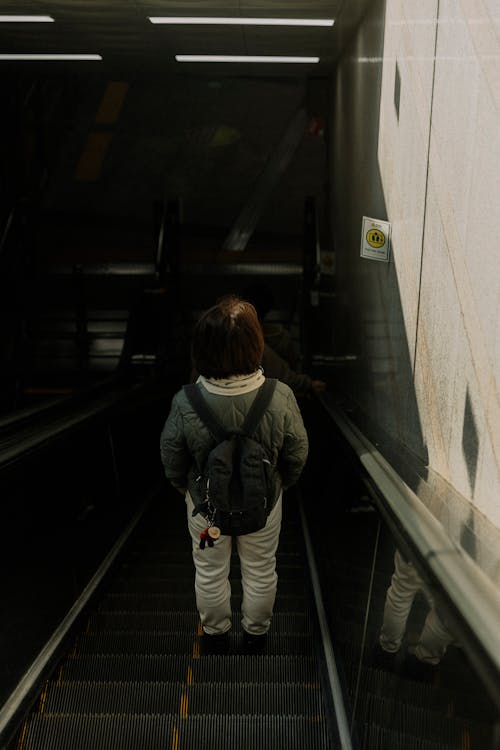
279	358
227	347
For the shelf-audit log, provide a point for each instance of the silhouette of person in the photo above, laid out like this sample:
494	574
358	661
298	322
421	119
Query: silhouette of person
279	359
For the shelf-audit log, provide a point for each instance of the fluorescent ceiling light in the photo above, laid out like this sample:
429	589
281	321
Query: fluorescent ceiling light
242	21
50	57
245	59
26	19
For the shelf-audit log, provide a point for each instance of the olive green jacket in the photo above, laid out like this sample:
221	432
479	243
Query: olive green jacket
185	441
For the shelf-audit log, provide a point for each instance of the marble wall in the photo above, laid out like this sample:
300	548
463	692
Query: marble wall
415	140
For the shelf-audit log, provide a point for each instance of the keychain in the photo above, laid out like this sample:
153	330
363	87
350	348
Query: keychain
208	536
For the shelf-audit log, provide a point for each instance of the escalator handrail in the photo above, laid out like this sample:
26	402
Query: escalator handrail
473	596
33	429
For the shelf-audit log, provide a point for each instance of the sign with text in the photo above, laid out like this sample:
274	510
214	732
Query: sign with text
375	239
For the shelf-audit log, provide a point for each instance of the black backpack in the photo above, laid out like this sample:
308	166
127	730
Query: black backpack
236	487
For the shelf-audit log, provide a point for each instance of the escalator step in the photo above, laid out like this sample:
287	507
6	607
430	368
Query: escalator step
164	554
422	722
161	571
143	601
376	737
119	642
463	700
283	622
289	544
199	698
161	732
151	668
147	584
390	685
165	621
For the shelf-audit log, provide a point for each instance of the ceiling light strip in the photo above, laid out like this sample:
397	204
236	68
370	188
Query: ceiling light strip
50	57
213	20
245	59
26	19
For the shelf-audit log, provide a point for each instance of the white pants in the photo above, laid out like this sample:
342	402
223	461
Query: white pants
405	584
257	553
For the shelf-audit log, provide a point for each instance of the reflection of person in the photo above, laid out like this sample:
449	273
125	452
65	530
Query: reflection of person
275	335
434	638
226	351
279	358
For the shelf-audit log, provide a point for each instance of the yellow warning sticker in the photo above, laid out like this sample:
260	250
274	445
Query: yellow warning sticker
375	238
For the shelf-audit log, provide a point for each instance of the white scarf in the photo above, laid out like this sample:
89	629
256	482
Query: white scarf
234	385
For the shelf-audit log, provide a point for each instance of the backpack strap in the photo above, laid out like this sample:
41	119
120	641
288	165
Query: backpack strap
204	412
259	406
252	419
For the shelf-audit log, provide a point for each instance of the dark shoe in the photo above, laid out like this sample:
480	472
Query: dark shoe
254	644
214	645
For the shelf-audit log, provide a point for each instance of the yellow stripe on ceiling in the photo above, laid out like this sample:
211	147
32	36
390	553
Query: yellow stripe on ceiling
90	164
111	103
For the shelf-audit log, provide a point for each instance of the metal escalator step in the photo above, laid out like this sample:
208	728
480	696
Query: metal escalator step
179	585
119	642
375	737
391	685
165	621
162	553
142	584
98	732
463	699
141	602
288	544
283	622
140	732
170	697
162	570
425	723
154	569
156	668
146	601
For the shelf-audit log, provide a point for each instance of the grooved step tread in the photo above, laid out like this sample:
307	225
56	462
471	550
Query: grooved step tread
120	642
157	569
376	737
170	697
149	584
282	622
155	668
431	724
389	684
139	732
159	553
145	601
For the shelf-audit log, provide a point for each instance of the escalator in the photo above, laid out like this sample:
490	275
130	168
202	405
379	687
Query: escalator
364	514
134	676
130	674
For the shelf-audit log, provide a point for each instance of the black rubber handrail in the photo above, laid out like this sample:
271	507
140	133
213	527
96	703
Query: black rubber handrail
33	429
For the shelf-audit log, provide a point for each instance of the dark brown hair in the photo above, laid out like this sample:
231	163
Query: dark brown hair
227	340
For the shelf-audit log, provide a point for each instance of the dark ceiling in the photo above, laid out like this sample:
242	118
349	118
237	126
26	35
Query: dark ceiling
138	126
